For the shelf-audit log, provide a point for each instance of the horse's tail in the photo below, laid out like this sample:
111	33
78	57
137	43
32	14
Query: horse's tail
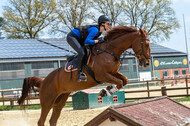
28	84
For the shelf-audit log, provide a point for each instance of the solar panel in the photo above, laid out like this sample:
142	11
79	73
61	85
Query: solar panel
28	48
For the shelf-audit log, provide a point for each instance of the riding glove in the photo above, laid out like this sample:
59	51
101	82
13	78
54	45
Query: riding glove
101	39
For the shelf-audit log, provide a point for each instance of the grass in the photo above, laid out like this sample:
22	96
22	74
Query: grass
33	107
129	101
176	99
182	99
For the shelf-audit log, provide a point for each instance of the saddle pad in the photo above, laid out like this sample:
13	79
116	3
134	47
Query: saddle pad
71	65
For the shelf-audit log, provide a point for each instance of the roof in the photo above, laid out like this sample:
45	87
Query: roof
54	49
32	49
158	50
152	112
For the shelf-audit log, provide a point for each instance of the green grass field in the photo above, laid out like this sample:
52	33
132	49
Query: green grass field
8	107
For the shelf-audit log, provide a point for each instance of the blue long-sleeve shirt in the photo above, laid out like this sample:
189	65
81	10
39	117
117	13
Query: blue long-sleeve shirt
92	32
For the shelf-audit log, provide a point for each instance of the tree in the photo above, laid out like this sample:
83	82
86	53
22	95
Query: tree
26	18
1	24
111	8
72	13
155	16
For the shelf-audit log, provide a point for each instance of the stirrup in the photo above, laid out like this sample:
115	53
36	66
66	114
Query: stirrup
82	77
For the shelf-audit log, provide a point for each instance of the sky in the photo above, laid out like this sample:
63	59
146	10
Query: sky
177	39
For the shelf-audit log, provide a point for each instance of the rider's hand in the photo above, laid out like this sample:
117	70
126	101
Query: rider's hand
101	39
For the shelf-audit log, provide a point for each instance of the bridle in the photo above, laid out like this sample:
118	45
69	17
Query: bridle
125	51
142	49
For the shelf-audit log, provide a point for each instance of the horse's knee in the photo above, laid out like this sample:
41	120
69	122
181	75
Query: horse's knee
126	81
119	86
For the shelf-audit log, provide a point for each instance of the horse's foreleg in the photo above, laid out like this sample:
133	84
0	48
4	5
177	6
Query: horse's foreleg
118	79
122	77
57	107
107	77
112	88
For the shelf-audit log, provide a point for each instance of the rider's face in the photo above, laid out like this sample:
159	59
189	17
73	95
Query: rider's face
107	26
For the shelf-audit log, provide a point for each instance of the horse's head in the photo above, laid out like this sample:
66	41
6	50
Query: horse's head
141	47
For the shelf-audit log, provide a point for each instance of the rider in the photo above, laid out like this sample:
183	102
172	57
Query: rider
87	35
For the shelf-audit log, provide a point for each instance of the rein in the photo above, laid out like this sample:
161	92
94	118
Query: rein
125	51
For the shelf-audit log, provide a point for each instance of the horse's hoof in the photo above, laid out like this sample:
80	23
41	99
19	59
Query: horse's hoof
102	93
109	87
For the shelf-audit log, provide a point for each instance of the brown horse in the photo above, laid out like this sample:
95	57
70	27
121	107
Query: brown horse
57	86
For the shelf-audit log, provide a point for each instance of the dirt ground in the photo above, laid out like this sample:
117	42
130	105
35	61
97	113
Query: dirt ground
70	117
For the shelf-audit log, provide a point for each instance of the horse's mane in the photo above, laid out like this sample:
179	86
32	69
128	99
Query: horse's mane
119	31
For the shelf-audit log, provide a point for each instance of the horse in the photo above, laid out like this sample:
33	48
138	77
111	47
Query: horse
55	89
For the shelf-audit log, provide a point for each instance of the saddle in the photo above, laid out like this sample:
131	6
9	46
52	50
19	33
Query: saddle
71	64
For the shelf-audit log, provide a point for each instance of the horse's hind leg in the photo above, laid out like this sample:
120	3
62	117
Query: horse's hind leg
46	102
57	107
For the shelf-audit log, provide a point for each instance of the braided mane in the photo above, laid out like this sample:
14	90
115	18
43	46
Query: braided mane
119	31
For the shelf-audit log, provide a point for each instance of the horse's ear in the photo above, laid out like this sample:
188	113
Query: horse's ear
142	31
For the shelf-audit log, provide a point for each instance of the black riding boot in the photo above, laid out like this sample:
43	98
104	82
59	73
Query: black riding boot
81	74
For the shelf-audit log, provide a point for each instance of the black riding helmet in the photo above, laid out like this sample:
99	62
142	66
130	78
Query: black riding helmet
103	19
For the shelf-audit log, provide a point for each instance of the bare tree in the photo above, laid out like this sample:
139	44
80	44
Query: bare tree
155	16
111	8
72	13
26	18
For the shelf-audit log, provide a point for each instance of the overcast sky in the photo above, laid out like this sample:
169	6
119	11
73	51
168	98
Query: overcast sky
177	39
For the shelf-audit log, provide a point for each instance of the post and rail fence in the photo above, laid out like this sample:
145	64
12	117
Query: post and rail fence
9	97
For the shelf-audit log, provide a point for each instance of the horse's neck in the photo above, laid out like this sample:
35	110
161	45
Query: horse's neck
122	43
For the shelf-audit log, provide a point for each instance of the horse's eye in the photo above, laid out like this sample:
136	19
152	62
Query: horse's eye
147	44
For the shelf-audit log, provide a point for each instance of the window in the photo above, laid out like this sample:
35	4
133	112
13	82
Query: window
62	63
134	65
140	68
184	72
12	70
125	65
176	73
115	98
42	69
100	100
165	74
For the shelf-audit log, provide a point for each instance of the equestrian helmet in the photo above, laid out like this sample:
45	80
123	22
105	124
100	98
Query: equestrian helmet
103	19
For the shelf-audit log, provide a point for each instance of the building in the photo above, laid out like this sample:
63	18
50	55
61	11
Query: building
165	62
153	112
20	58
